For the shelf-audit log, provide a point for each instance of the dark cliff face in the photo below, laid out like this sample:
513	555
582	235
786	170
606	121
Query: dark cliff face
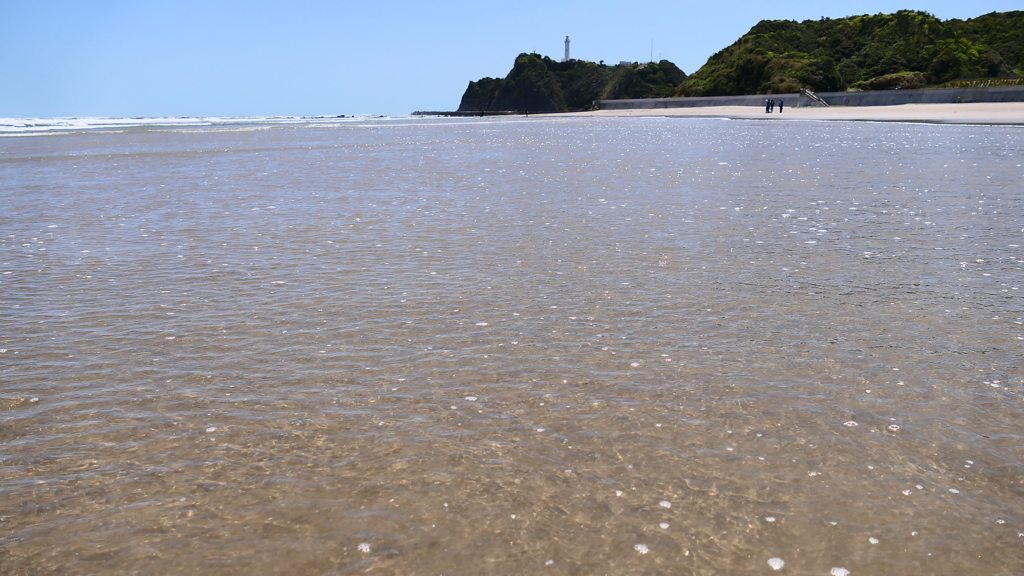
539	84
530	86
480	94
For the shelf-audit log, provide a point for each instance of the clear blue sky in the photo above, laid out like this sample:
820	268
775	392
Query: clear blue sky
309	57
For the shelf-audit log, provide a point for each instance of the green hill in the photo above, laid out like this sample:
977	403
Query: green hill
907	49
539	84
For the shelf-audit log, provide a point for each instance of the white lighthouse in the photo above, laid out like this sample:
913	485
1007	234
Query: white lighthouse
566	59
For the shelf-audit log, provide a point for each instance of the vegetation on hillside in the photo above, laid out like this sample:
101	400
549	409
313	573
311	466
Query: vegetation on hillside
540	84
907	49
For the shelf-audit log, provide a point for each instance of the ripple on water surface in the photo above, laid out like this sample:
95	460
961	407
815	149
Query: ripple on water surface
623	346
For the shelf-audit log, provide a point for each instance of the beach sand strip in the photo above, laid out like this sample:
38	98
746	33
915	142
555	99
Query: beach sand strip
970	113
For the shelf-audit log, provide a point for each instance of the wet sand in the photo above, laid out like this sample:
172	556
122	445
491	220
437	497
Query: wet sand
973	113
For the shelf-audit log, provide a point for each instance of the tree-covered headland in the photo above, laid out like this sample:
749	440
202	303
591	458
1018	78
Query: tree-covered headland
540	84
908	49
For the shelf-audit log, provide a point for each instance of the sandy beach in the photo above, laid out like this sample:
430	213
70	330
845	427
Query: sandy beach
973	113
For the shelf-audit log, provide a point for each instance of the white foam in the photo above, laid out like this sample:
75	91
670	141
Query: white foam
24	126
17	125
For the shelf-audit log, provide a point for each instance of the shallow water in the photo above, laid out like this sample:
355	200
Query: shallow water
566	346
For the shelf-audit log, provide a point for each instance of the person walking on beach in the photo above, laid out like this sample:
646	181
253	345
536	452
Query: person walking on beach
781	104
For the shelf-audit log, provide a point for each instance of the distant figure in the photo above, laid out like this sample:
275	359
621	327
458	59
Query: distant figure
767	105
771	105
781	104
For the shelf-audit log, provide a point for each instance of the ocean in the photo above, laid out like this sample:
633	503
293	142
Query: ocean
510	346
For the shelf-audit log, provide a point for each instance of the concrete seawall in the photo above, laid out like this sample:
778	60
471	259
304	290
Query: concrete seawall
865	98
464	113
701	101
